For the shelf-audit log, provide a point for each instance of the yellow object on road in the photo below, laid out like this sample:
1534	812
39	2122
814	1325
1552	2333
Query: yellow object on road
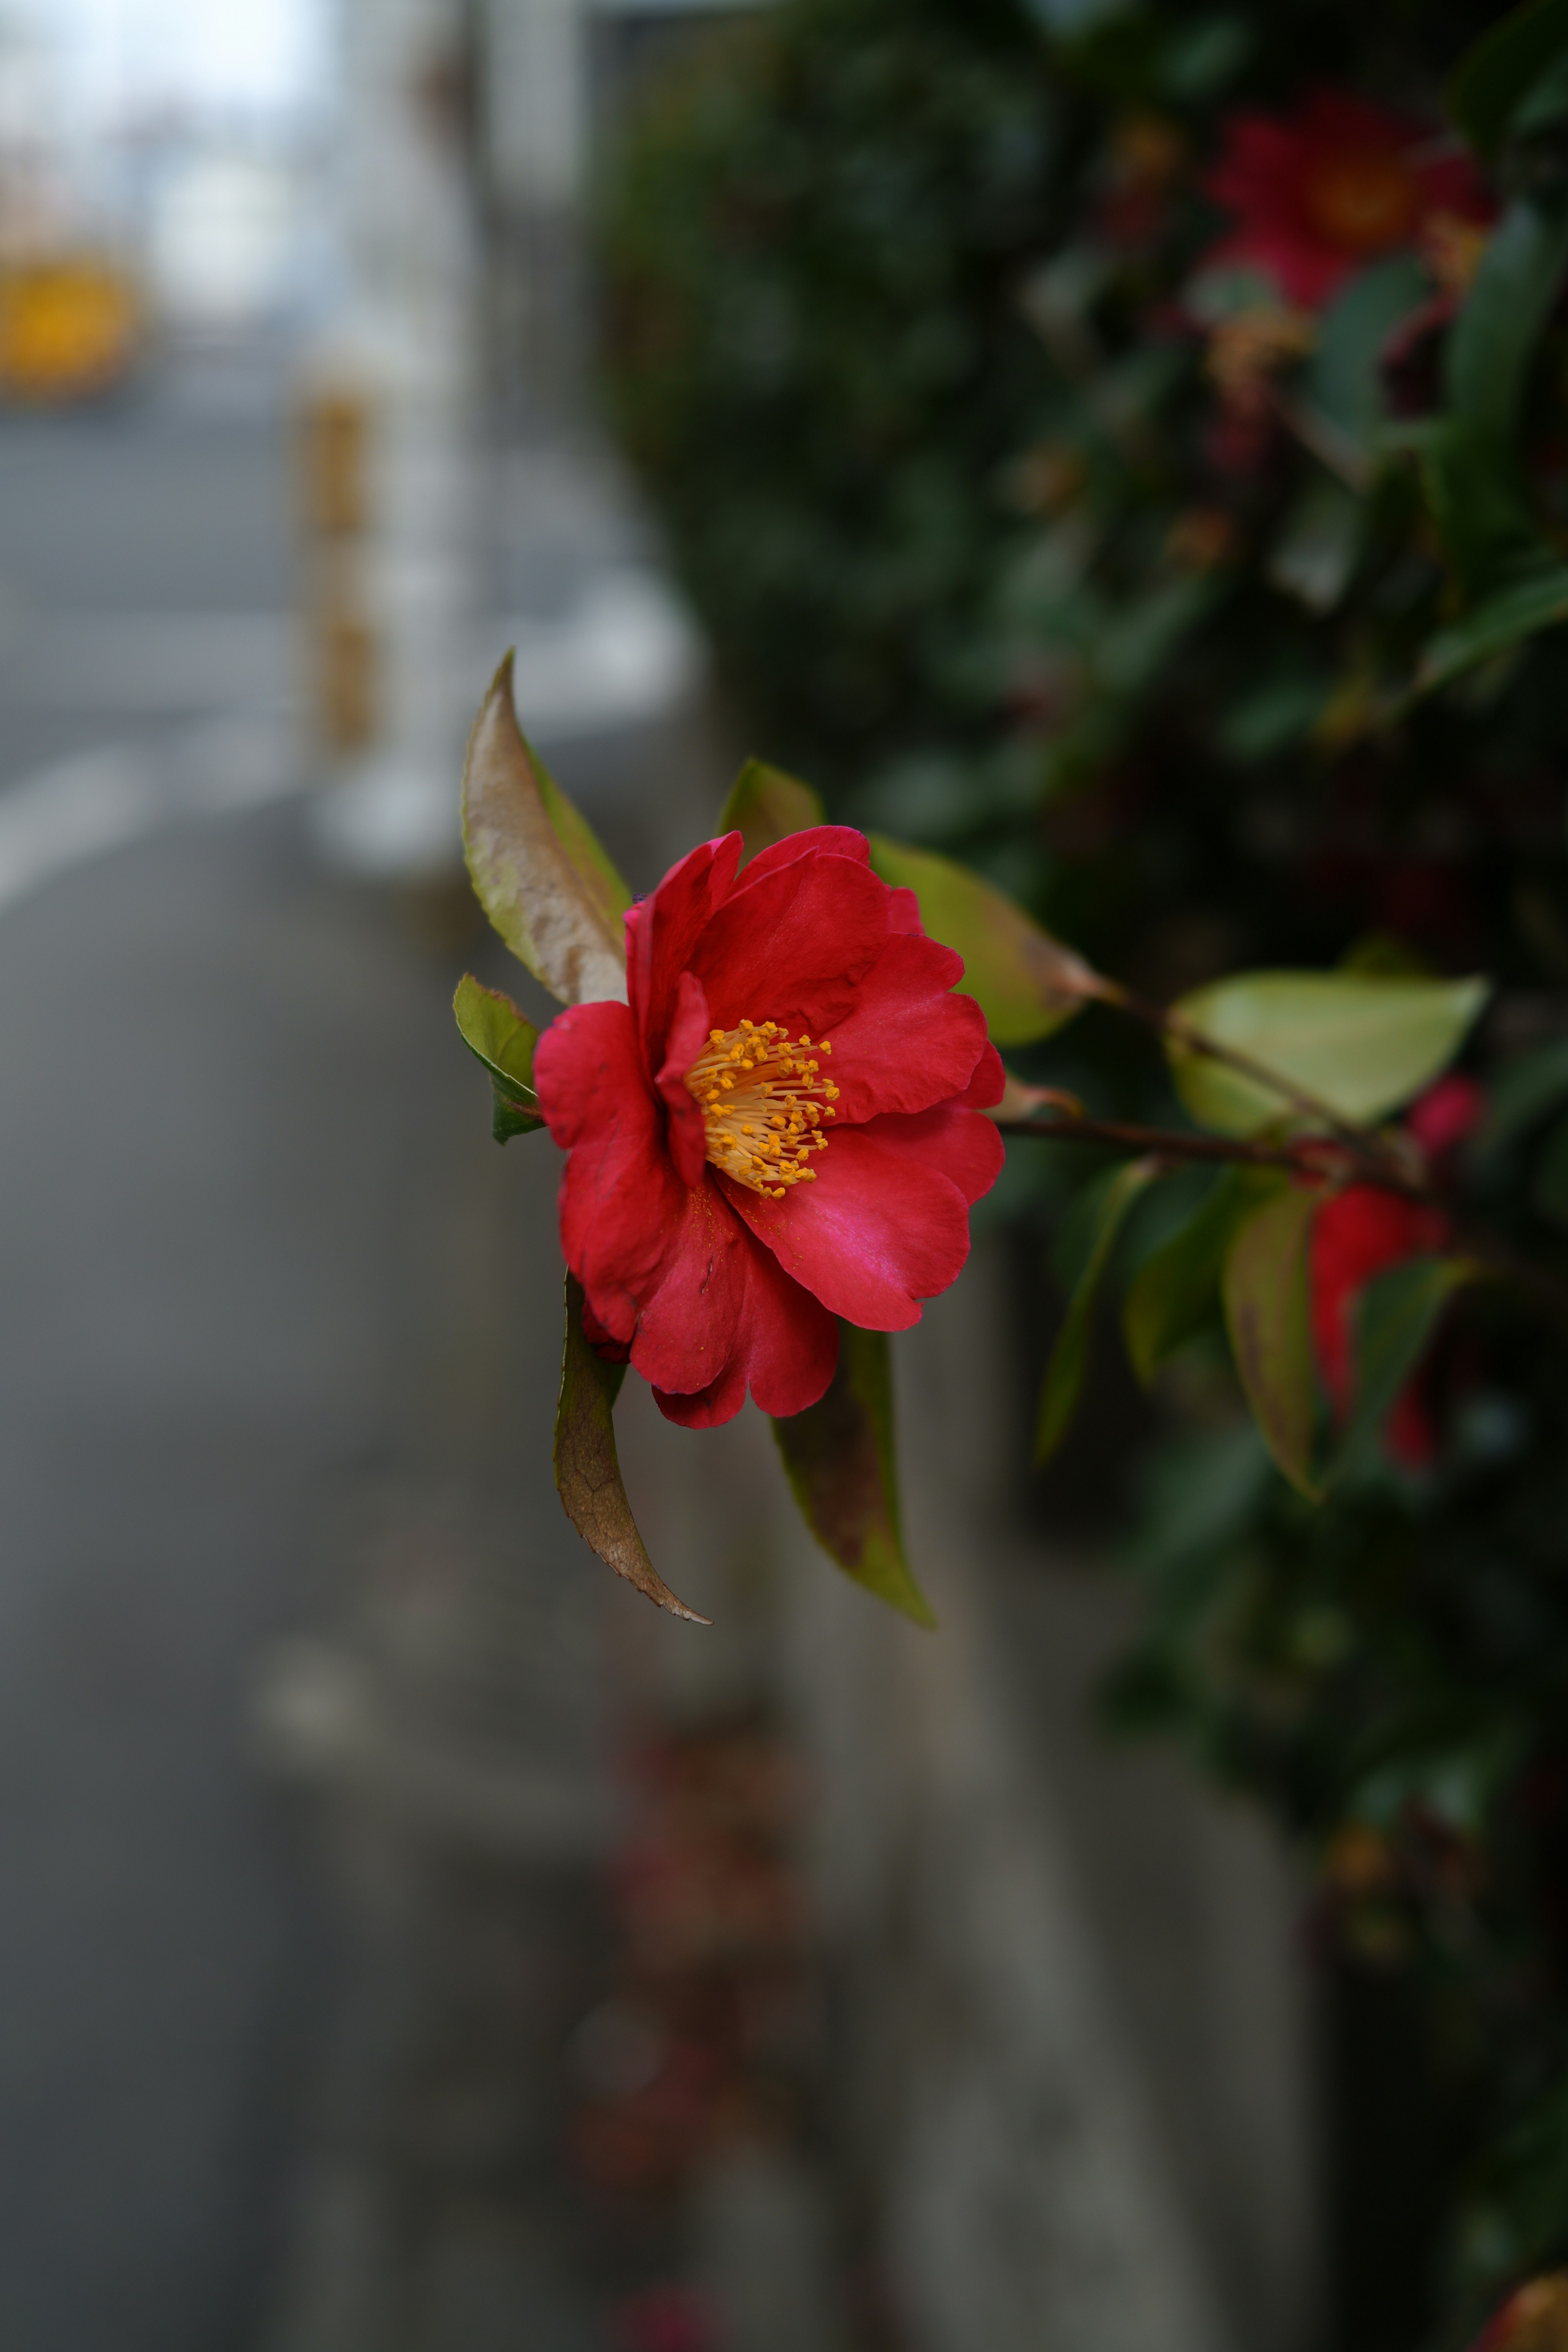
69	327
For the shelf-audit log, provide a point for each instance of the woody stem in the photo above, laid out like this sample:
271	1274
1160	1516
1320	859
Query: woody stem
1303	1158
1548	1290
1367	1146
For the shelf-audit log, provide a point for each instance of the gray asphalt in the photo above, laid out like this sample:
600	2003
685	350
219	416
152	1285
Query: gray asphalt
259	1260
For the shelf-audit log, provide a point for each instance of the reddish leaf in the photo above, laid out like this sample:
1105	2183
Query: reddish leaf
587	1470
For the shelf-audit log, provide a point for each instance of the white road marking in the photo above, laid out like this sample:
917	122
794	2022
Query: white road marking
76	809
625	654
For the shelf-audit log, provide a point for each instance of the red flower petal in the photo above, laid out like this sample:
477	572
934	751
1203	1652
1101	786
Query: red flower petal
963	1144
877	1231
785	1349
908	1041
620	1195
687	1134
1357	1233
662	931
795	945
604	1342
831	840
1446	1115
691	1304
715	1290
989	1084
1318	193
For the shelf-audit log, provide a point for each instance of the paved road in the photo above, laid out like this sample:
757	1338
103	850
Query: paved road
174	501
268	1286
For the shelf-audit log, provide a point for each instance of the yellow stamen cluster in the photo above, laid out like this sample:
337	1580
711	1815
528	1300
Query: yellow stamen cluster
764	1104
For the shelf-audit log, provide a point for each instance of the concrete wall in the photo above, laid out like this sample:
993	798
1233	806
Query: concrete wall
1075	2019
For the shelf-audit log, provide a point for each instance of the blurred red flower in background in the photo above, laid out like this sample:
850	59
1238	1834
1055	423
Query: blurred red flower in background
665	2319
1318	193
1357	1234
1363	1232
782	1126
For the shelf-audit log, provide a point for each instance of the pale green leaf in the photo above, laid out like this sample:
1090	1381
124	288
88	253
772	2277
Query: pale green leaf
537	869
1266	1313
1025	982
1070	1356
588	1468
840	1456
1358	1043
766	806
497	1034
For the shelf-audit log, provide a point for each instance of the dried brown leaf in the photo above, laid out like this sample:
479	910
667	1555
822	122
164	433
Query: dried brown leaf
588	1468
538	870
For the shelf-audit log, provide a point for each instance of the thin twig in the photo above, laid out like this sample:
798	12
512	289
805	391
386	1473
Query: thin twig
1173	1143
1364	1142
1549	1291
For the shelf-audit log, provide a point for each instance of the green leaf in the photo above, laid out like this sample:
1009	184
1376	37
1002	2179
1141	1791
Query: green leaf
1471	461
1521	1092
1027	983
1176	1292
1495	337
1344	379
1501	71
766	806
1494	627
537	869
1070	1356
503	1039
1317	549
1358	1043
1395	1321
840	1456
1549	1183
1266	1313
588	1471
1273	714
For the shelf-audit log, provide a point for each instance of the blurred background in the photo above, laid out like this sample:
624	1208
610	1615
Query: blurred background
413	1943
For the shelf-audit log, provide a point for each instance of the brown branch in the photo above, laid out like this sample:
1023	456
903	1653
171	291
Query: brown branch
1538	1282
1303	1158
1367	1145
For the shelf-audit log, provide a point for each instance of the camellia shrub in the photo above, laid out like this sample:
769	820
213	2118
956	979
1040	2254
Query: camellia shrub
814	249
1200	604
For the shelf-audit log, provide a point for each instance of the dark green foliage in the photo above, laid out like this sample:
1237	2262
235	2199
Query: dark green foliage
816	355
908	338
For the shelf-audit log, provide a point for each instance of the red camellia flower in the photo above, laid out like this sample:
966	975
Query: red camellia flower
1318	193
781	1126
1363	1232
1357	1234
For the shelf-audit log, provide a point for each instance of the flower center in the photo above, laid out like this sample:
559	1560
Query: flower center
1361	202
765	1102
